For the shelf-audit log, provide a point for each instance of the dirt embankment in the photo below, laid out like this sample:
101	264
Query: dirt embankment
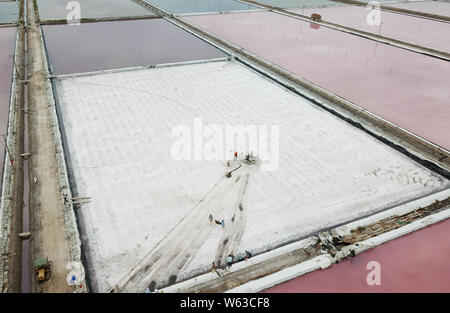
48	212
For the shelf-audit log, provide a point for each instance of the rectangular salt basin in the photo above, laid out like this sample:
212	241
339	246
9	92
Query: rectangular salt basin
121	131
298	3
110	45
401	86
60	9
415	30
392	1
9	12
7	48
432	7
200	6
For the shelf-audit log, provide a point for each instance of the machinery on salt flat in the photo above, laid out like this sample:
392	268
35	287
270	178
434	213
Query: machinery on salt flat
248	159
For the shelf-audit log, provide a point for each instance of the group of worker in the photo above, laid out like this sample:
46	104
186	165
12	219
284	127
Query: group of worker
217	222
230	259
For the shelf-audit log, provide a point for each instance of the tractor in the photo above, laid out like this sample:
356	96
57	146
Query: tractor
43	268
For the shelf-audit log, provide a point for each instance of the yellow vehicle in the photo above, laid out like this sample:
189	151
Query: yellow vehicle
42	267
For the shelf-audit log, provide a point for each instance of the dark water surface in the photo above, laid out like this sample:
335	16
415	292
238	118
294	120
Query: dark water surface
111	45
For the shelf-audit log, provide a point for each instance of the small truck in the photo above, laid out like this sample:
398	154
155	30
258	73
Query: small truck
42	267
316	17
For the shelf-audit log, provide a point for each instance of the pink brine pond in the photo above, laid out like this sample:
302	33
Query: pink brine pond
401	86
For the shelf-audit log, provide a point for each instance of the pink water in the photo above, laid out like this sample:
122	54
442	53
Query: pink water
404	87
411	29
417	262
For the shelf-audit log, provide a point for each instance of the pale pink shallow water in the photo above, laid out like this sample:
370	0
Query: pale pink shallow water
417	262
404	87
7	45
433	7
416	30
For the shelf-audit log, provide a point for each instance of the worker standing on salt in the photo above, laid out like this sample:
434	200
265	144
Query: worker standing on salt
230	260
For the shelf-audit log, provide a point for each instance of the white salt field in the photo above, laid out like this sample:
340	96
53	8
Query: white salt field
122	130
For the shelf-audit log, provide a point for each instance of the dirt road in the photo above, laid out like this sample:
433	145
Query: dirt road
46	202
